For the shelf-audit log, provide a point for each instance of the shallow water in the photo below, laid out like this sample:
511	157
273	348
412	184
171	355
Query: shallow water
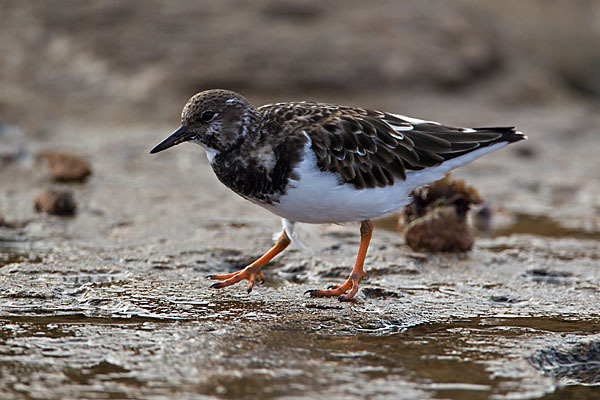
544	226
246	356
523	224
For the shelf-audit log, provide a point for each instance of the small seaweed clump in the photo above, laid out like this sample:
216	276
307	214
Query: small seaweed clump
436	220
56	202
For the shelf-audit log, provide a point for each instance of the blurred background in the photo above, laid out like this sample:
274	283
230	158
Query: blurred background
139	61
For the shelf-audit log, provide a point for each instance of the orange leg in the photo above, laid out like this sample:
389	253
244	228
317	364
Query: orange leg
351	284
252	271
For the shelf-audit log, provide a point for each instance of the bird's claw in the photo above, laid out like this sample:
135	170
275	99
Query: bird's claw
249	273
344	292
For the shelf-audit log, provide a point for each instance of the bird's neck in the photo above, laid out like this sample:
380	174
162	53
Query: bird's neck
235	138
250	124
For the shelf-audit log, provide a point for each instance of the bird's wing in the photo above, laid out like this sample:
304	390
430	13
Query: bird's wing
374	149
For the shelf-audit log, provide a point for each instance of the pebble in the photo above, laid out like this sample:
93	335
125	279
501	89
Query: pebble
66	167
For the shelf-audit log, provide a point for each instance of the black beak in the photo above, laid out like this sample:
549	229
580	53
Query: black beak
179	136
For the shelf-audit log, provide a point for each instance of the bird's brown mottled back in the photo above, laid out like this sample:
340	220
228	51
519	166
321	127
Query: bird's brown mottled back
374	149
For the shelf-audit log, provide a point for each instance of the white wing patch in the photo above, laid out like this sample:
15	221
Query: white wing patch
414	120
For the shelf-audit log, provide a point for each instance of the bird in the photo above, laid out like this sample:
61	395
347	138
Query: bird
320	163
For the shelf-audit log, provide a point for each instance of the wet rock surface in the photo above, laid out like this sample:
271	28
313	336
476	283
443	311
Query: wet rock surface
577	363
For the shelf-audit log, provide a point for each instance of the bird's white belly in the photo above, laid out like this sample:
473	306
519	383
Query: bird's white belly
318	197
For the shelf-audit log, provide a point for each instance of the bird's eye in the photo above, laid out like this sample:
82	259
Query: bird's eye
207	116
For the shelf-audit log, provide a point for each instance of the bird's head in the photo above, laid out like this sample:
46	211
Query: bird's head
215	119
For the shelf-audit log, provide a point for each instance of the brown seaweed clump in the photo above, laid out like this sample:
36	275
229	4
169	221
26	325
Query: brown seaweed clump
56	202
436	220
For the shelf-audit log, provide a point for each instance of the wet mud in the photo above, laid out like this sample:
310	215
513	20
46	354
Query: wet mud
149	326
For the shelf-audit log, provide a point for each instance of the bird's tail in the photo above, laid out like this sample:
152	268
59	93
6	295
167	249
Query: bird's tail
507	133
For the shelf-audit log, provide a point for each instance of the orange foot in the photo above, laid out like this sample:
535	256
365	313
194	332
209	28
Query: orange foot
252	271
351	284
248	273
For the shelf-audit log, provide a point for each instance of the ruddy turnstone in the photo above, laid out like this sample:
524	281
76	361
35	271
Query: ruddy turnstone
323	163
